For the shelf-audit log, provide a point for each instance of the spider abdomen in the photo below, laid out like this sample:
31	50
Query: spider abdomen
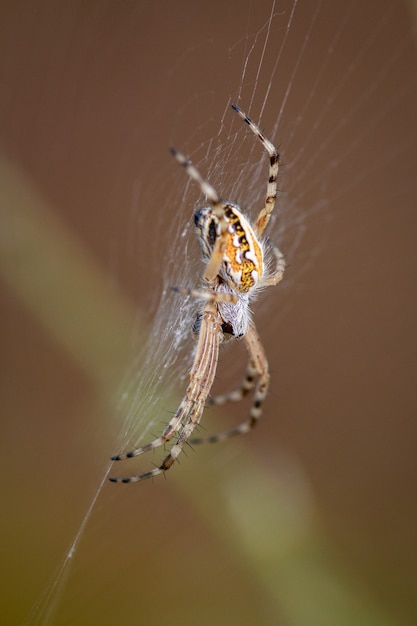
242	266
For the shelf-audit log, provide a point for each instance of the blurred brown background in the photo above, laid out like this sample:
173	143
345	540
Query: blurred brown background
312	519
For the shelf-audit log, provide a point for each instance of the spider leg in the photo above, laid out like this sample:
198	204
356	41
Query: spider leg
207	294
271	190
217	256
173	427
191	408
279	270
257	368
245	388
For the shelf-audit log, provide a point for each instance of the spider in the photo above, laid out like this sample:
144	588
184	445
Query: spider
234	273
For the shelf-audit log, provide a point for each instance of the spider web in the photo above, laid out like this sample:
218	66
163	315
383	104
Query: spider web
310	100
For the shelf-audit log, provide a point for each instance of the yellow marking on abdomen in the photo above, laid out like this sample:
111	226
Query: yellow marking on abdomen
240	245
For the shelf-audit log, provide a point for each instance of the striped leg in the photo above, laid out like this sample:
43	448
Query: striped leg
208	295
217	256
271	190
279	270
191	408
247	385
258	368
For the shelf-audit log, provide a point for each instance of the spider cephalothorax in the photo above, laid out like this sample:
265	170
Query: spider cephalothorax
234	256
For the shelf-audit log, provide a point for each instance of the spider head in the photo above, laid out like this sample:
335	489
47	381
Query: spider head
243	265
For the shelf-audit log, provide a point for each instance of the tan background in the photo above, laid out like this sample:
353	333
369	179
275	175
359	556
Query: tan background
312	519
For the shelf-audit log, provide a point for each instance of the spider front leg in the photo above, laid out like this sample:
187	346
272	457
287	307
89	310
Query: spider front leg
188	411
191	408
206	294
237	395
257	369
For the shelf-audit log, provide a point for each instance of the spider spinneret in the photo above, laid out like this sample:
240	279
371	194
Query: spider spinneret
235	270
